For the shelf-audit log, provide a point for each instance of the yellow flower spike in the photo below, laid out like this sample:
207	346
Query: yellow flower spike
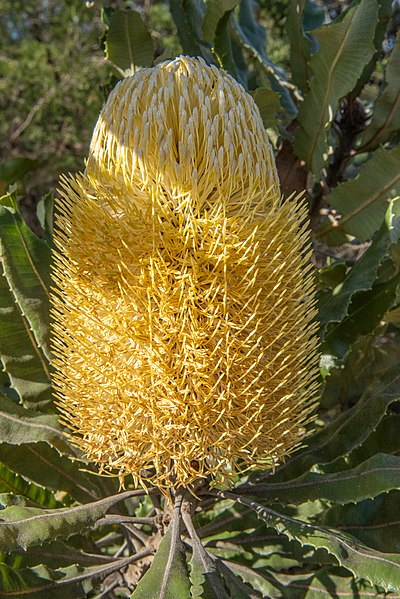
184	303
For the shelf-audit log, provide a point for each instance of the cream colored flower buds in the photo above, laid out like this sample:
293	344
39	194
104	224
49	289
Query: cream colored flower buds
184	300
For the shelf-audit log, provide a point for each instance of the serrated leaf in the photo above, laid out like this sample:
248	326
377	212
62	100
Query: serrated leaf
18	425
224	519
14	484
58	554
373	522
302	43
23	360
128	43
363	201
22	527
377	475
204	575
45	466
237	589
26	265
347	431
378	568
323	583
264	584
365	315
41	582
35	583
253	38
386	115
346	46
28	582
215	10
167	577
364	273
384	439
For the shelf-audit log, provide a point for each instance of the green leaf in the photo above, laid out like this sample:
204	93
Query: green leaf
366	313
58	554
346	45
349	430
253	38
45	214
35	583
363	201
364	273
11	483
22	526
41	582
188	16
18	426
167	577
268	104
26	265
377	475
223	44
375	523
385	438
237	589
386	115
302	44
128	43
45	466
215	10
204	574
23	360
384	15
319	584
378	568
261	583
14	169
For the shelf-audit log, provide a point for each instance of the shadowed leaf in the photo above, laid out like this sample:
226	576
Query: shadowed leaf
363	201
379	474
386	115
128	43
378	568
26	265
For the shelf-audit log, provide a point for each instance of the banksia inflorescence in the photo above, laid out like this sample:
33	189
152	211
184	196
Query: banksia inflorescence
184	337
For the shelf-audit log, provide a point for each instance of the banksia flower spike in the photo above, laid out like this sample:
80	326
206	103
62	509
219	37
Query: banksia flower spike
184	301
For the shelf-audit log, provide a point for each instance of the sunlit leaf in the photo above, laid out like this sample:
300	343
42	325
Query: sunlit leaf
302	16
346	45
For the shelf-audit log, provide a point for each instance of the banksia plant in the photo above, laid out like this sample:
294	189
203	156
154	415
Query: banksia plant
184	304
183	338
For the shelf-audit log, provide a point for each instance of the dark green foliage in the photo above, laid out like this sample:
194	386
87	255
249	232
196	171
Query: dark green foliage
326	522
